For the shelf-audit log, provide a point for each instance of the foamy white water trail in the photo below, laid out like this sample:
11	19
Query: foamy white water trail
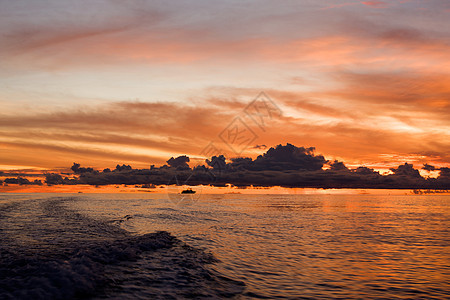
138	246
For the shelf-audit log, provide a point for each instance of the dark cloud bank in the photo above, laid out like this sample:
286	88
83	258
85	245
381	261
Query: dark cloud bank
286	166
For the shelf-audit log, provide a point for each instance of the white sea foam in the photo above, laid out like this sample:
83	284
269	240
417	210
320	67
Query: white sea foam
72	256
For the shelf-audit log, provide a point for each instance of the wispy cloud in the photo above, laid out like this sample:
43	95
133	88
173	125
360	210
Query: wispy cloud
374	78
375	3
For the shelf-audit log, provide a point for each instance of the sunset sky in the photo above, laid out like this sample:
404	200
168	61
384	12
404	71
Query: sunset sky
137	82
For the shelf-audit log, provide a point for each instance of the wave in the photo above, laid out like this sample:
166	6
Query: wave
103	261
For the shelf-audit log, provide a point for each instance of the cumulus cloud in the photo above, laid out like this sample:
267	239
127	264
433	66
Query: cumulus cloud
21	181
406	170
289	157
428	167
283	165
179	163
338	166
77	169
445	173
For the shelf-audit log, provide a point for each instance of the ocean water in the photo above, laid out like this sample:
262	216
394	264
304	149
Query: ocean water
151	246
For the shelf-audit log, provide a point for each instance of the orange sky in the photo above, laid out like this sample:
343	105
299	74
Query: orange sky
136	82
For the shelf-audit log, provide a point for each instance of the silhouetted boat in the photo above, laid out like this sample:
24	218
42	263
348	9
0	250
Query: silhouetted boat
188	191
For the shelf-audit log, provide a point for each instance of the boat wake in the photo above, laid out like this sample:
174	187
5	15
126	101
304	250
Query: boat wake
51	252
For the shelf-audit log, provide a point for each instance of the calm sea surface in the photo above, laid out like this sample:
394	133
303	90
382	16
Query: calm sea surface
224	246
